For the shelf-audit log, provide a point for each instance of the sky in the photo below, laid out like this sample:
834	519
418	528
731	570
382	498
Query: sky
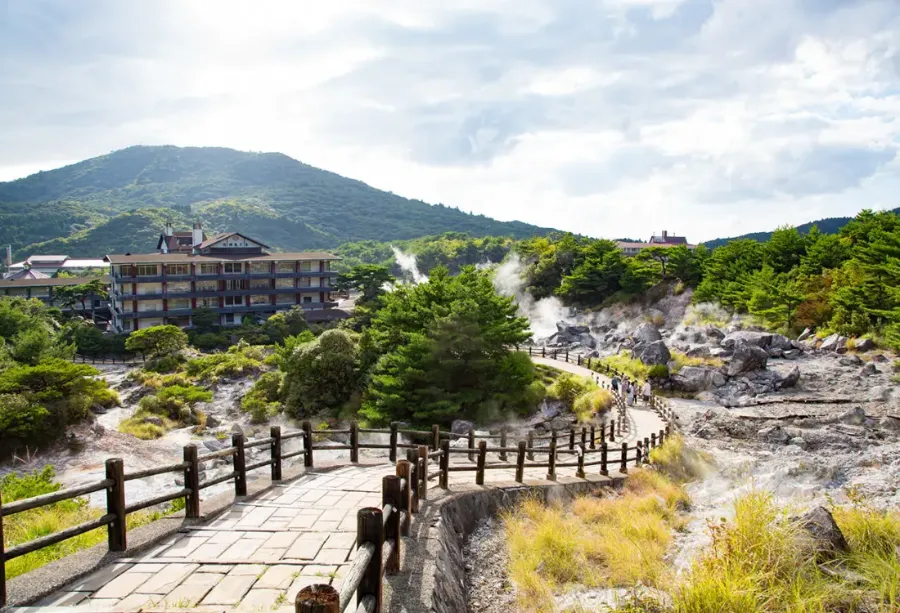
610	118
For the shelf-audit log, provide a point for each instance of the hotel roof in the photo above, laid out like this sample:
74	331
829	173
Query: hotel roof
184	258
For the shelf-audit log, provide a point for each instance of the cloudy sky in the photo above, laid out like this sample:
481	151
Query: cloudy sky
606	117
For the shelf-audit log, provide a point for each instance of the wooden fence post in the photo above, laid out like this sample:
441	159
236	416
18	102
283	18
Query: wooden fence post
482	456
583	437
637	454
307	444
567	354
370	529
580	471
593	437
543	353
354	442
445	465
604	468
240	464
571	439
403	472
653	440
646	449
503	445
423	474
612	431
319	598
602	433
551	471
624	462
2	559
520	463
662	438
531	445
413	458
471	444
393	452
391	494
275	434
435	437
115	504
192	482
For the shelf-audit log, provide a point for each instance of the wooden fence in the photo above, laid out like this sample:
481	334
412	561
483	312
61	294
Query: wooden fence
427	460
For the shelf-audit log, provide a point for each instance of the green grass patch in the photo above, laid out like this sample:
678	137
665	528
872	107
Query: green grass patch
681	360
595	542
29	525
567	388
592	402
634	368
240	360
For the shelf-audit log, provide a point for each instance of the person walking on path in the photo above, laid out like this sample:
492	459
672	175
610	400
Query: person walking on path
631	394
647	391
615	383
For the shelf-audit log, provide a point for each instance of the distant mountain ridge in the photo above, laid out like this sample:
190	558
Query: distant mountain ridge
81	209
829	225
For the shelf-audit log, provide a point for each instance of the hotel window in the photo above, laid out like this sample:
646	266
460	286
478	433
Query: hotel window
286	299
259	300
228	318
42	292
126	324
179	287
234	301
285	267
207	286
260	284
147	270
209	303
236	284
326	266
209	269
305	266
284	283
307	299
259	267
179	304
178	269
233	268
125	270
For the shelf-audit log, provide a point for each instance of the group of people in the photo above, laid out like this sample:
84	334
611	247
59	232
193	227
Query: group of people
630	389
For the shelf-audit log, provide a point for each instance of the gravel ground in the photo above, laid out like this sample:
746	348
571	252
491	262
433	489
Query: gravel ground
490	590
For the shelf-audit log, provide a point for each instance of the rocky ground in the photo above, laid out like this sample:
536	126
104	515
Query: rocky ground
487	581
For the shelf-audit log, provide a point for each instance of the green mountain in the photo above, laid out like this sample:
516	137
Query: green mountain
97	206
830	225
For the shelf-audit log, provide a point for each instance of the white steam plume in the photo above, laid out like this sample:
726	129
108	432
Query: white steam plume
407	263
544	313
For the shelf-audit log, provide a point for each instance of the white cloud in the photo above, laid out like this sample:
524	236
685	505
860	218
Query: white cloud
608	117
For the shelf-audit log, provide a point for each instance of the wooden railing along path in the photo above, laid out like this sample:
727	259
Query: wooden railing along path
377	529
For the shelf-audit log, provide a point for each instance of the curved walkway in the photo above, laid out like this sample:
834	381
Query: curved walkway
257	555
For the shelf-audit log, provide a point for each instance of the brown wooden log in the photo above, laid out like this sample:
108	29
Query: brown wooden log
307	444
435	437
391	495
623	468
354	442
320	598
471	444
551	469
403	471
482	456
520	463
604	468
115	505
393	452
240	464
444	482
503	445
191	482
370	530
275	435
530	445
423	472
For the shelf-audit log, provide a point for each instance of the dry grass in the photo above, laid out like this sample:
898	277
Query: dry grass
595	542
679	462
681	360
592	402
635	369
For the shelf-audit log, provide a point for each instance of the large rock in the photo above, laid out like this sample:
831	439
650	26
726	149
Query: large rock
652	353
701	351
714	334
586	340
746	358
827	537
805	334
646	333
765	340
461	426
835	342
790	380
698	379
865	344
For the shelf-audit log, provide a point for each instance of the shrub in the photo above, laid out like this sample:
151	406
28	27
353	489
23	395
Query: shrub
21	419
157	340
592	402
658	371
262	399
679	288
208	340
165	364
568	387
678	461
239	360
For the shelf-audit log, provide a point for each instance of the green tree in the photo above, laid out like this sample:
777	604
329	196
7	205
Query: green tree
775	297
157	341
727	273
784	250
204	319
368	279
282	325
36	344
660	255
686	264
320	375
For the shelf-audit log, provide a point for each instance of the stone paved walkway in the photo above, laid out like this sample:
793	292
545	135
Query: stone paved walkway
261	552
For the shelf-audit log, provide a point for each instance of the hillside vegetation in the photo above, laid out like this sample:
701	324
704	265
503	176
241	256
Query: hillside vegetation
285	203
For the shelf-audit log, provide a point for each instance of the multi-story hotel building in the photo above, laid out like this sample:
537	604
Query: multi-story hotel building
232	274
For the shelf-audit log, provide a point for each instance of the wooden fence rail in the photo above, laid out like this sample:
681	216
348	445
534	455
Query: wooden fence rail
595	446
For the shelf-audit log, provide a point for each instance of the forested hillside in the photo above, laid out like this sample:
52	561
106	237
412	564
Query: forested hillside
831	225
283	202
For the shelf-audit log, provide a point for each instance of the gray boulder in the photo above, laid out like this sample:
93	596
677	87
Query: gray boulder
775	434
868	370
865	344
835	342
775	352
790	380
646	333
791	354
698	379
804	335
747	337
854	417
746	358
850	360
701	351
652	353
826	536
586	340
461	426
714	334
